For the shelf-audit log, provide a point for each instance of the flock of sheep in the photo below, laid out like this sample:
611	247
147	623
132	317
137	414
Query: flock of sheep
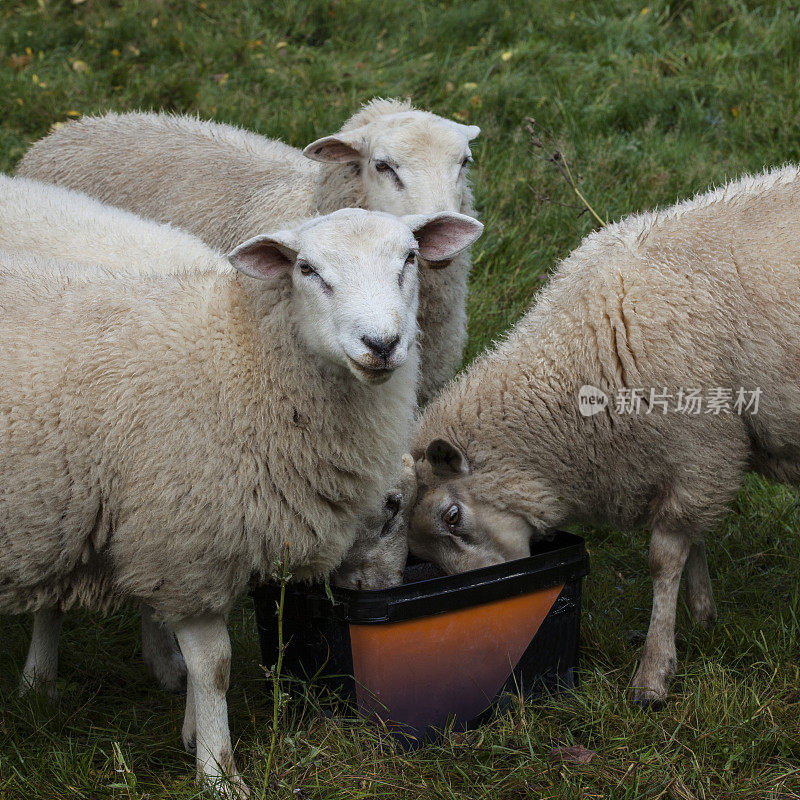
176	423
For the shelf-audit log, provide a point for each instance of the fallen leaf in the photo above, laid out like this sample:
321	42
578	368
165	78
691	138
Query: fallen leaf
576	754
507	55
221	78
281	45
80	66
18	62
470	85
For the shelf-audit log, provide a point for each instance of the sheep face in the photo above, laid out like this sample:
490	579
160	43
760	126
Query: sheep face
378	556
354	280
457	524
409	162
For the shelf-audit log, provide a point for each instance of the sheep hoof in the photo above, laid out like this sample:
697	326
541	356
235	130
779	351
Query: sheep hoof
704	614
227	788
649	704
30	684
648	699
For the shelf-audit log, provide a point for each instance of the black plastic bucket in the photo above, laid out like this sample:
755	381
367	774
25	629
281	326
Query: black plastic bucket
441	649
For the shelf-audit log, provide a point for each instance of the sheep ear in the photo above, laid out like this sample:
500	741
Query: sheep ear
470	131
441	237
446	460
341	148
265	256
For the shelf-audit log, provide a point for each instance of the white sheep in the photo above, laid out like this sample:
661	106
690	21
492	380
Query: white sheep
167	436
64	225
226	184
703	295
59	223
379	553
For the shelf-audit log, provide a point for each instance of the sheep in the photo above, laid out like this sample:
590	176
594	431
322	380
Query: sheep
226	184
380	550
58	223
55	222
700	295
166	437
61	224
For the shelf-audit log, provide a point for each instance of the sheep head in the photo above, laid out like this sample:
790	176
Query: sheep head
411	162
354	281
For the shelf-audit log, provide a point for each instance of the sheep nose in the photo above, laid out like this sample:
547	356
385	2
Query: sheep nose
382	348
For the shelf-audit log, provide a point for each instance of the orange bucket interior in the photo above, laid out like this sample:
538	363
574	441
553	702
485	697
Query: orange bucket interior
421	672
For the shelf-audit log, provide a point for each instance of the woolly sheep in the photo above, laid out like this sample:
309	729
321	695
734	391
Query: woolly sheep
59	223
701	295
378	556
226	184
166	437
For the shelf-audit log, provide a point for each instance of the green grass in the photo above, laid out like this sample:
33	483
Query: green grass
650	103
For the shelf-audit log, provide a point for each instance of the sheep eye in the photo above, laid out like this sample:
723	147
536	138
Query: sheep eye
306	269
452	516
466	162
401	278
382	166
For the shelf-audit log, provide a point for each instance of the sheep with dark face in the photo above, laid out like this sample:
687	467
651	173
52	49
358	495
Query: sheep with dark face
703	294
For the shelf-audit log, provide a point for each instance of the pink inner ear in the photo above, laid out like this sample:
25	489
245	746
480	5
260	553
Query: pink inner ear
333	150
442	239
261	260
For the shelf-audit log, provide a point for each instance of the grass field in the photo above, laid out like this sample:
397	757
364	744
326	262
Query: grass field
649	103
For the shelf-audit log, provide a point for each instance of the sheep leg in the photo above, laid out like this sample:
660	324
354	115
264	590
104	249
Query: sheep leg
161	655
206	648
668	554
699	594
41	665
189	732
